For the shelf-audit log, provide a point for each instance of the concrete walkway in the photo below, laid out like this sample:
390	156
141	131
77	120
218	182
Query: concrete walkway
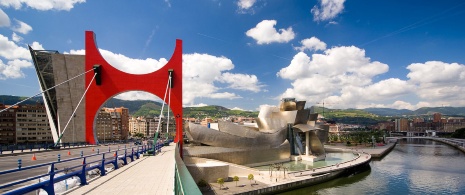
148	175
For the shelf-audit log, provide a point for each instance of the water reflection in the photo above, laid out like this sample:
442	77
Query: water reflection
414	166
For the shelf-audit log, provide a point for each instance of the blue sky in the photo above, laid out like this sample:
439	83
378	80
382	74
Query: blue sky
246	53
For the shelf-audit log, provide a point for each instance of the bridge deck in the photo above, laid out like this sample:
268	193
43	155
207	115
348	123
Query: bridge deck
148	175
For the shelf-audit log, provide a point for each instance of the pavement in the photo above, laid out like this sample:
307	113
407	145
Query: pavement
148	175
375	152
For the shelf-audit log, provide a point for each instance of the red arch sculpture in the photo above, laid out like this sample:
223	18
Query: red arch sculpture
114	81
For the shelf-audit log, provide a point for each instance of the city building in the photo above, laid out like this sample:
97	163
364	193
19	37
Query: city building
8	125
112	124
138	126
401	124
24	124
103	126
437	117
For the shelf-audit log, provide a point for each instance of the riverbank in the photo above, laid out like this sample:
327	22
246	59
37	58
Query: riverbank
375	152
271	183
456	143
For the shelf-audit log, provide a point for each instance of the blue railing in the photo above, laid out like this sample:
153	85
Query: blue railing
84	167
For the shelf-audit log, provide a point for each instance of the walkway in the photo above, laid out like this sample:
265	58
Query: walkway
148	175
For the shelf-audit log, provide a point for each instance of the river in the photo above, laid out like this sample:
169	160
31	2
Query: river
414	166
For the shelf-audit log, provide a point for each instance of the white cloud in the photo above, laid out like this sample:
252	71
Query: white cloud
438	82
138	95
4	19
16	38
241	81
265	33
341	75
37	46
224	95
237	108
9	50
327	10
311	44
21	27
17	58
42	5
129	65
201	71
12	69
245	4
198	105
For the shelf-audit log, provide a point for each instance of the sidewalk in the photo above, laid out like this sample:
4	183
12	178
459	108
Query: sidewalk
148	175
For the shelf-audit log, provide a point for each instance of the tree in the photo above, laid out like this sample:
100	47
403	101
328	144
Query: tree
220	181
459	133
236	179
250	177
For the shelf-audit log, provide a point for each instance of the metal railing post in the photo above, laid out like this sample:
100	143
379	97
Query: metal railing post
82	176
102	165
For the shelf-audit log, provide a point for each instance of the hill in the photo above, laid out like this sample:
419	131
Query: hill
388	111
10	100
215	112
450	111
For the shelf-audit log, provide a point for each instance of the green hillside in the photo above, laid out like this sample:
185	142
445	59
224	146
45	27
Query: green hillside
215	112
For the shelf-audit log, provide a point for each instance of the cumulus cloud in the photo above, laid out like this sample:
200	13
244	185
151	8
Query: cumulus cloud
201	74
137	95
241	81
245	4
12	69
21	27
4	19
202	71
237	108
341	75
438	82
9	50
42	5
311	44
17	58
327	10
266	33
129	65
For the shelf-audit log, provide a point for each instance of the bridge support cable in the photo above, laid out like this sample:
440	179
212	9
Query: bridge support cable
155	137
74	111
45	90
169	103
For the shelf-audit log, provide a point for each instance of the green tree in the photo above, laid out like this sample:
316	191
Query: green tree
459	133
220	181
236	179
250	177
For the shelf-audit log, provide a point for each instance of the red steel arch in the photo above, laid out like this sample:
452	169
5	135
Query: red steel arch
114	81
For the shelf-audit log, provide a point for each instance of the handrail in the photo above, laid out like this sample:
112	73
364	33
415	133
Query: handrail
48	185
183	181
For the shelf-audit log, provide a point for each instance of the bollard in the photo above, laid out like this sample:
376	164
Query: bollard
108	148
98	151
59	157
19	163
82	153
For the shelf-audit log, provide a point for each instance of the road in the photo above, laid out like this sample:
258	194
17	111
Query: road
8	162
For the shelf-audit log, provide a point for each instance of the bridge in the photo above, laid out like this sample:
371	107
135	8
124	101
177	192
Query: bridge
76	87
